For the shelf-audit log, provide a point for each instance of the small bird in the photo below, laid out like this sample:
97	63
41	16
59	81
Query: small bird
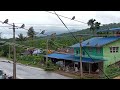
6	21
22	26
73	18
42	32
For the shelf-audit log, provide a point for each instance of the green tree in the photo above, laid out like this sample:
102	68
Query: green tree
21	37
51	42
91	24
31	34
94	26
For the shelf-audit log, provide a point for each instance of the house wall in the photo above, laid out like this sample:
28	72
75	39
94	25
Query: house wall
93	53
111	57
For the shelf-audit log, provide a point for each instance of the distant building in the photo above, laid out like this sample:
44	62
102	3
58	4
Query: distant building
37	51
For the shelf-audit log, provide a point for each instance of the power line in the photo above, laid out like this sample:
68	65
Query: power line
15	26
67	17
78	41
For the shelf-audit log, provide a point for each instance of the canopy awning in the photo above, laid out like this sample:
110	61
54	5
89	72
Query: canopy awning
73	58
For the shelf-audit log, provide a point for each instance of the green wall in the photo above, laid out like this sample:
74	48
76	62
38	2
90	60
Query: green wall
111	57
105	54
93	54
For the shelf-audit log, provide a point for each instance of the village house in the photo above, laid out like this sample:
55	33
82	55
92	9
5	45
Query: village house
97	52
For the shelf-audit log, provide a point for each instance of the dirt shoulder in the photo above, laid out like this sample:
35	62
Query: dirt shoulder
118	77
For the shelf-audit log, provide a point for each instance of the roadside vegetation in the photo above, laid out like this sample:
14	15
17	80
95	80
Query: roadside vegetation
111	72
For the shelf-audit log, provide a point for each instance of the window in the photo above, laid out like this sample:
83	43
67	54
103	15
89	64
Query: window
117	49
90	49
98	49
77	52
114	49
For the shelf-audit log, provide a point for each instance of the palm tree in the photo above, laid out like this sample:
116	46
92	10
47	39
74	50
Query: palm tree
31	34
97	25
94	26
91	24
21	37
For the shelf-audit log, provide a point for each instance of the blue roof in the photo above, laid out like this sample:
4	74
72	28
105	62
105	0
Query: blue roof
112	29
96	41
72	58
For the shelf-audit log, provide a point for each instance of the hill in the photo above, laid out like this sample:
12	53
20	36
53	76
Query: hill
62	40
87	31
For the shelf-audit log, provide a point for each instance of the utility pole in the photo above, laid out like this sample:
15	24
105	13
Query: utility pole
0	35
14	61
9	51
47	51
81	69
14	53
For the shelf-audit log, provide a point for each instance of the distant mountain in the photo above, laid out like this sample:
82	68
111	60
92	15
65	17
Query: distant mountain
87	30
60	30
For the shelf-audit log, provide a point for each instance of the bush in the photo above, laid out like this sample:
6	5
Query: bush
1	53
49	66
112	72
30	60
49	69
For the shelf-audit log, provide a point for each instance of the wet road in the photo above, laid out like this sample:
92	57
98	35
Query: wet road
27	72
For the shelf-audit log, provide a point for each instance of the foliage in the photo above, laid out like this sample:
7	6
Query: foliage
21	37
31	33
49	66
30	60
1	53
94	26
112	71
4	50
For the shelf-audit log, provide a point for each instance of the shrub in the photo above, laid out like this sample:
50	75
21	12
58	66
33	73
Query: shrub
112	72
49	66
1	53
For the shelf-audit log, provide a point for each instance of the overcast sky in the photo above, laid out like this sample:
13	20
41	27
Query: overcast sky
50	22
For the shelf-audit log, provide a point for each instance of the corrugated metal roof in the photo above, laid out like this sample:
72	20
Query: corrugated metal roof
96	42
72	58
112	29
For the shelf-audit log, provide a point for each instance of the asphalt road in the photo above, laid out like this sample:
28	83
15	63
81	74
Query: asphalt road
27	72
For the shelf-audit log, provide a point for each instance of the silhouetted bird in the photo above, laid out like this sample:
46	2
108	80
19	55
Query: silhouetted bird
42	32
6	21
22	26
73	18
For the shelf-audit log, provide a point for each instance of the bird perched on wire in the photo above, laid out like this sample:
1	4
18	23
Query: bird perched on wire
6	21
42	32
22	26
73	18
